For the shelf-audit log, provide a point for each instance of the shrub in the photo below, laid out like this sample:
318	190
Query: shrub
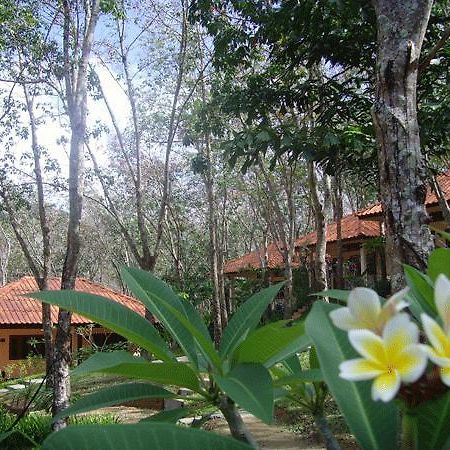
37	426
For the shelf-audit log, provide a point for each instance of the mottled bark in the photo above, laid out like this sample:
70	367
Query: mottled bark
75	78
401	28
320	264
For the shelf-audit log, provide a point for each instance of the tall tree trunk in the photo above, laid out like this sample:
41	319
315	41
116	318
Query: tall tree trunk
338	219
76	95
42	277
401	26
320	264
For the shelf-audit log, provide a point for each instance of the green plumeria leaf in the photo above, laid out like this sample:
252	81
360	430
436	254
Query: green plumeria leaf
246	318
433	418
250	386
439	262
156	295
113	396
374	424
338	294
124	364
421	294
140	436
273	343
111	315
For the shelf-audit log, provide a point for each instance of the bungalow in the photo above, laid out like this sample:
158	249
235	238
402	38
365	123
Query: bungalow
21	318
361	236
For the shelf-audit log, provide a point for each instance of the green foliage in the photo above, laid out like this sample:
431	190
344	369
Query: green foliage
139	436
32	429
251	385
232	371
106	312
373	424
116	394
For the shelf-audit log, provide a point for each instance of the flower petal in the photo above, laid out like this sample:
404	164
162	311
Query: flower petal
411	363
398	333
435	357
442	298
364	304
445	375
435	335
395	303
359	369
386	386
342	318
369	345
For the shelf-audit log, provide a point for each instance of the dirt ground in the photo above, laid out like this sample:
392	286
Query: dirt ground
274	437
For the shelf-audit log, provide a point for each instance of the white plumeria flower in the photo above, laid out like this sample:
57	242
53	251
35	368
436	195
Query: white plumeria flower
364	310
439	337
389	359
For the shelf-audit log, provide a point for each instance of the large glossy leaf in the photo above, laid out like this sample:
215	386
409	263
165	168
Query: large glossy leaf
124	364
293	364
374	424
156	295
421	294
433	420
111	315
250	386
140	436
337	294
115	395
170	416
273	343
208	352
439	262
246	318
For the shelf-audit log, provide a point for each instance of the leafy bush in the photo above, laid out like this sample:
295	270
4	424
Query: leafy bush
235	373
36	426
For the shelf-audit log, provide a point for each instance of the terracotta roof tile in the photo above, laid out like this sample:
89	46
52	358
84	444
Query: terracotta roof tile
253	260
352	228
430	199
15	309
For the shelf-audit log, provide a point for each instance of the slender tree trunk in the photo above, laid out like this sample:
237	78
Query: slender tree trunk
236	424
324	428
320	264
338	219
42	277
401	26
76	96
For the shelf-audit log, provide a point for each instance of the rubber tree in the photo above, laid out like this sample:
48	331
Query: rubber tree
401	26
77	45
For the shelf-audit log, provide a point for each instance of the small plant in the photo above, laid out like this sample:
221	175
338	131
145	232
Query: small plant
32	429
235	374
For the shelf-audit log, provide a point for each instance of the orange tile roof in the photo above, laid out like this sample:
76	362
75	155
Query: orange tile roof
352	228
430	199
16	309
252	260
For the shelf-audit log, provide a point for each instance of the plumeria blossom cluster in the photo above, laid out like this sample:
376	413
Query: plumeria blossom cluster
388	340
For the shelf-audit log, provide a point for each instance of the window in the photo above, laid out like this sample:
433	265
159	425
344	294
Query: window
20	346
